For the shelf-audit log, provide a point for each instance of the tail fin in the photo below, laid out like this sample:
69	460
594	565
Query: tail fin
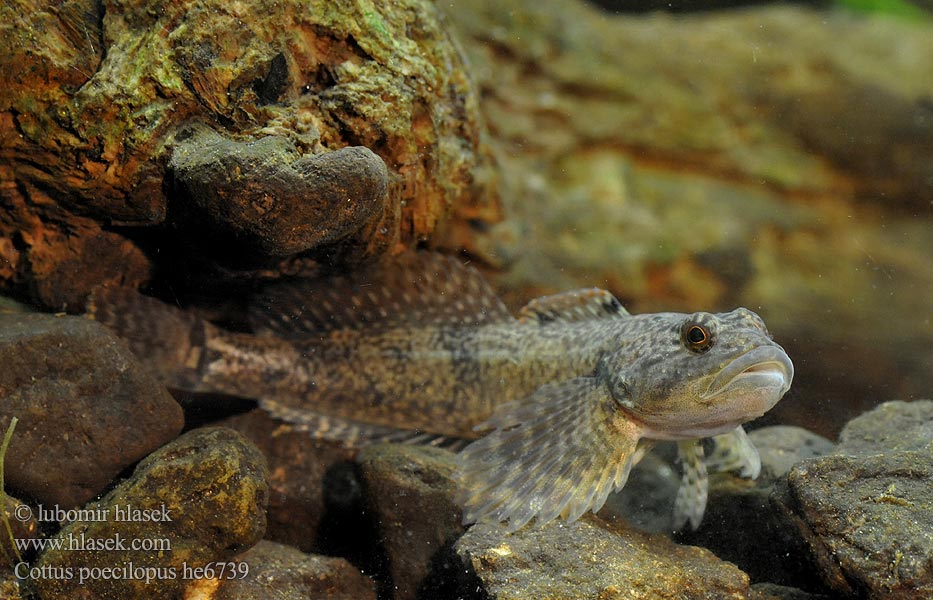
168	340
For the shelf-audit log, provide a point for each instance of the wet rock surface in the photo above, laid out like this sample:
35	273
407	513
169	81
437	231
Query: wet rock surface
866	512
410	490
283	573
86	408
206	493
266	195
591	559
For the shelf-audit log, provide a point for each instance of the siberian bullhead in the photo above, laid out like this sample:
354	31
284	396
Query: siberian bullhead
560	400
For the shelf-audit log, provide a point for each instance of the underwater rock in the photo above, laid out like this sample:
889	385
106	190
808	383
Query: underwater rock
313	499
86	408
411	491
590	559
196	501
743	526
866	512
59	263
284	573
892	427
265	194
93	106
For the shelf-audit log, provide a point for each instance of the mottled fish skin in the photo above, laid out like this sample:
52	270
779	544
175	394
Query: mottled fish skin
570	394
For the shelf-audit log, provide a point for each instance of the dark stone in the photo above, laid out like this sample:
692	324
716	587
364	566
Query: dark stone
284	573
866	513
86	408
210	483
411	491
590	558
890	427
300	510
265	193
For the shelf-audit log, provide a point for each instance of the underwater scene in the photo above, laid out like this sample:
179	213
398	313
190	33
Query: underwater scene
477	299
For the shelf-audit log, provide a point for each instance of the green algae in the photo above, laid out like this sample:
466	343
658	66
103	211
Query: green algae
894	8
6	521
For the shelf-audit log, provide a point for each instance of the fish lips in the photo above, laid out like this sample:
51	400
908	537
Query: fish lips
763	372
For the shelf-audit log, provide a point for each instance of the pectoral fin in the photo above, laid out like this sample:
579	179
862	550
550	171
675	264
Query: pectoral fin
560	451
690	503
733	451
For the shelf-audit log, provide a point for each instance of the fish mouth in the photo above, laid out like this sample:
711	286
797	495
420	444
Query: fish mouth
765	367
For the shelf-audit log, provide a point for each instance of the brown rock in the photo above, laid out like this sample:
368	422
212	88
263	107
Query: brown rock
283	573
9	587
86	408
207	493
266	195
591	559
410	490
866	513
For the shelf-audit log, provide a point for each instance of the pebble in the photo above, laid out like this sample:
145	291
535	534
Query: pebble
87	408
276	571
866	512
410	491
265	194
198	501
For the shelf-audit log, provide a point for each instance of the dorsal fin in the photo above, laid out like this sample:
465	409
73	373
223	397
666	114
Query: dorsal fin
416	288
572	306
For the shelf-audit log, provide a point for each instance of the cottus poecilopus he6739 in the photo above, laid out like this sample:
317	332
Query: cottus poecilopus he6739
564	398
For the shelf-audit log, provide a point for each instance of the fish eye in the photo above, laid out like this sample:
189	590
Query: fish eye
696	338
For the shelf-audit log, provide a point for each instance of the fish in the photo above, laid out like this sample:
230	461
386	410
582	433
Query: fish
553	405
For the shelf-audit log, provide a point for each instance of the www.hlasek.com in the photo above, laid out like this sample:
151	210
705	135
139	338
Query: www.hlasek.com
130	571
83	543
115	542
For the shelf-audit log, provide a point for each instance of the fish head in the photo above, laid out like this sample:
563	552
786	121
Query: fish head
697	375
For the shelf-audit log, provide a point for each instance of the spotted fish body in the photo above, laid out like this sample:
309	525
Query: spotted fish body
569	394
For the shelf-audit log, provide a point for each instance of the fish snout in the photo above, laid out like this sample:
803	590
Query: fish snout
760	370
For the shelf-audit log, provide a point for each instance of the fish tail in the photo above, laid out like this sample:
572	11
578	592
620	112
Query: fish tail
169	341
